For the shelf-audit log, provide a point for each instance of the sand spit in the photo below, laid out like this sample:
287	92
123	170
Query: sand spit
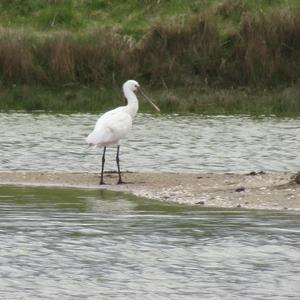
254	190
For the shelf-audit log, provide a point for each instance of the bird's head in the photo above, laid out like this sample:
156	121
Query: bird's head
132	85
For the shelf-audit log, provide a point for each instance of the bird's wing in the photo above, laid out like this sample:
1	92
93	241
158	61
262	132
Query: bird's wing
108	115
110	128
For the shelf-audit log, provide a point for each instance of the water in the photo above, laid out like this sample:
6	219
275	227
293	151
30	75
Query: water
156	143
77	244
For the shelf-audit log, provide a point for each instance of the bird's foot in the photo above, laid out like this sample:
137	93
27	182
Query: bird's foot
102	183
121	181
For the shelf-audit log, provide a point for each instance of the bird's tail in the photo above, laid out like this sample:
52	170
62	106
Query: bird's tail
92	139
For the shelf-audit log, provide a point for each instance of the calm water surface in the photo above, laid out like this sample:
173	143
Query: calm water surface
72	244
156	143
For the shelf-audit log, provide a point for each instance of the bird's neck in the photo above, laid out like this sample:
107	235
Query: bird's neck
133	103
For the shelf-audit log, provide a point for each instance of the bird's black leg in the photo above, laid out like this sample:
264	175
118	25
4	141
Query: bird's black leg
102	168
118	164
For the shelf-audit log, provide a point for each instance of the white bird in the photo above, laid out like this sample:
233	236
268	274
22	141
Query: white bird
115	124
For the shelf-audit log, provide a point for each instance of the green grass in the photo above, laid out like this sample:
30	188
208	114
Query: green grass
202	56
68	99
132	17
206	101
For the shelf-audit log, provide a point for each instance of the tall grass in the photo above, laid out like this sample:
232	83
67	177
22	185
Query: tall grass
264	49
253	49
268	48
60	58
16	58
178	50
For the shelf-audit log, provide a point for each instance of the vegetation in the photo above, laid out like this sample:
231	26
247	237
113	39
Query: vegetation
229	56
209	101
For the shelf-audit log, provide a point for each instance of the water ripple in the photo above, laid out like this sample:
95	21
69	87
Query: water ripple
156	143
143	251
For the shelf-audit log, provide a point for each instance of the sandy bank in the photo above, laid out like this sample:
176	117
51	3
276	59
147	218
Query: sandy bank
258	190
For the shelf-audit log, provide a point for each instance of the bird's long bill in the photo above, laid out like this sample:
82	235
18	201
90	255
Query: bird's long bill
149	100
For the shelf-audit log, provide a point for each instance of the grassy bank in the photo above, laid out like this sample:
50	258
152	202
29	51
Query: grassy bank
208	101
196	56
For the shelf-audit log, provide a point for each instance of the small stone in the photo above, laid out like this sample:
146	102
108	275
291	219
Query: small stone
200	202
240	189
252	173
239	205
297	178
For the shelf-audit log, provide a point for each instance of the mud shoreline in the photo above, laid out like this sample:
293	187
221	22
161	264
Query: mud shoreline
251	191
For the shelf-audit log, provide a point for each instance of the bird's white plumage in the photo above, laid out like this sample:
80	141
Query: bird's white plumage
111	127
115	124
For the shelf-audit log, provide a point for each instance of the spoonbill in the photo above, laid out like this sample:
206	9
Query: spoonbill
115	124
